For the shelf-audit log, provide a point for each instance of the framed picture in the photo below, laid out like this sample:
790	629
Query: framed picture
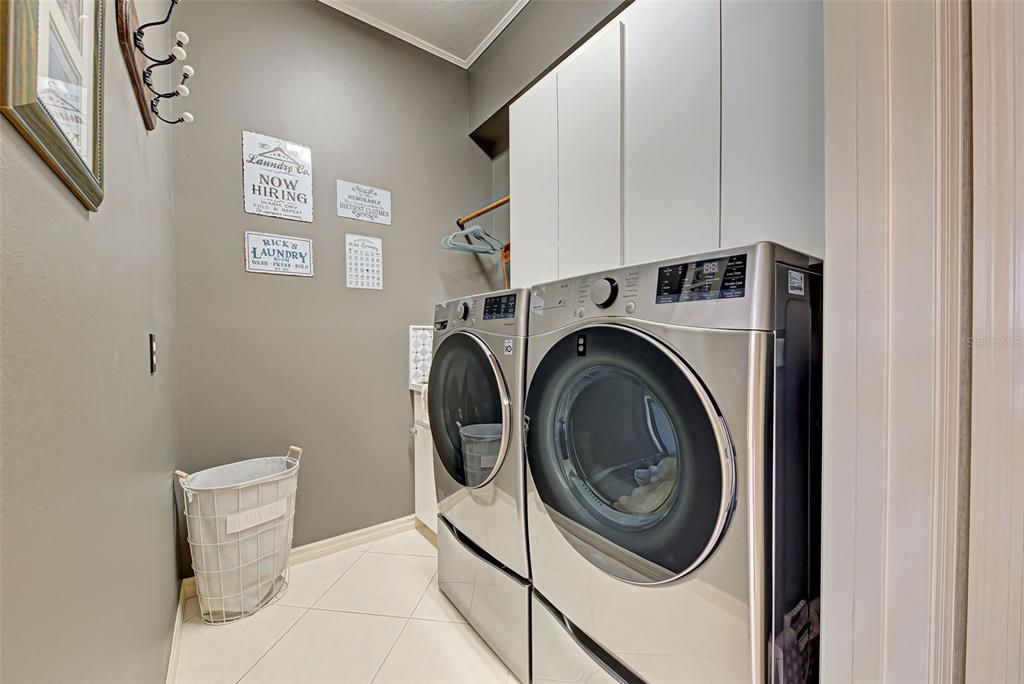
51	86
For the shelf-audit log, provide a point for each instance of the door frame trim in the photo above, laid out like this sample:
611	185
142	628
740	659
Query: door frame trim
995	592
895	487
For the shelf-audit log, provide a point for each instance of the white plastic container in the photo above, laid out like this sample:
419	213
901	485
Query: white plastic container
240	518
480	446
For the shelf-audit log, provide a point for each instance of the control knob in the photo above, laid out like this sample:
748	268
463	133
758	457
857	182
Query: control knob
462	311
603	292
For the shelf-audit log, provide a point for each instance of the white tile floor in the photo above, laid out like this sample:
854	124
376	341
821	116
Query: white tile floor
367	614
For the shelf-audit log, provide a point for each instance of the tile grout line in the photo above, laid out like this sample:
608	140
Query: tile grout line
276	642
344	572
305	612
388	654
423	595
347	611
404	627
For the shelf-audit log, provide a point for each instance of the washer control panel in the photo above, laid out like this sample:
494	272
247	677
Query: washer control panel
500	306
505	312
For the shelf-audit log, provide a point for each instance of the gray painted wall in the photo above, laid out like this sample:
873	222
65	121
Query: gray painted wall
269	361
88	436
540	34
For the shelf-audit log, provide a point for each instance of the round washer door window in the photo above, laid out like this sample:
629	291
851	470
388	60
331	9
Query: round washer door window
628	453
468	407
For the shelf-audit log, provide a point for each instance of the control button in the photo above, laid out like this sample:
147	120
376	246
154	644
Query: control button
603	292
630	307
581	312
462	311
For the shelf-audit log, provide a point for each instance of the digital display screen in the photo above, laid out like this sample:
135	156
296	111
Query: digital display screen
723	278
502	306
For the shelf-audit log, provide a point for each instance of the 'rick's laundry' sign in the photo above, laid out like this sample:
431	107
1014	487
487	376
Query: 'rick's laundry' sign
277	177
280	254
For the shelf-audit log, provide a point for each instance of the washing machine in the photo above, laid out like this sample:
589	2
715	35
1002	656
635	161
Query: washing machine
475	406
673	444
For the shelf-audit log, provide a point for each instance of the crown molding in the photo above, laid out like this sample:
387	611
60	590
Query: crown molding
343	6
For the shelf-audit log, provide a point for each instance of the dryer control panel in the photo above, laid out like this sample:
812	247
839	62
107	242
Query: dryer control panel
722	278
726	289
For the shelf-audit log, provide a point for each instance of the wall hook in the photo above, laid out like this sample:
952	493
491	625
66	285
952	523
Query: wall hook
148	62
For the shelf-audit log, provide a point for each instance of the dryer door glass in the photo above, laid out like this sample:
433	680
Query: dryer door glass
468	407
628	453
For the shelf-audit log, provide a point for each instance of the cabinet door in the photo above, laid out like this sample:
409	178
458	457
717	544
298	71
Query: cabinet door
670	114
423	476
590	156
533	184
773	159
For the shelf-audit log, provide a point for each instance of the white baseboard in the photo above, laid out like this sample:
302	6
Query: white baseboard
299	554
179	618
307	552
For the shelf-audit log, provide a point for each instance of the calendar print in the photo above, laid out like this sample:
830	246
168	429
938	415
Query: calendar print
364	262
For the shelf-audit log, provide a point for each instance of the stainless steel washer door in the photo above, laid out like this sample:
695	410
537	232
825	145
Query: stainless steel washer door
468	406
629	454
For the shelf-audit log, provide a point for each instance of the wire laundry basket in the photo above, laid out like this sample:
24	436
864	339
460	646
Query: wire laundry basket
240	518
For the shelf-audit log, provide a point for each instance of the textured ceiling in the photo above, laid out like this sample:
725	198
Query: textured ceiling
456	30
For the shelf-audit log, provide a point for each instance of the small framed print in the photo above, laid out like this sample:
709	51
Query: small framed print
51	68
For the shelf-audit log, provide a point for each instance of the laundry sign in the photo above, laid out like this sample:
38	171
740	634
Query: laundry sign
364	203
278	254
277	177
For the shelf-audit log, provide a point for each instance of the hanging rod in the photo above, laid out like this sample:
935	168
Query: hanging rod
480	212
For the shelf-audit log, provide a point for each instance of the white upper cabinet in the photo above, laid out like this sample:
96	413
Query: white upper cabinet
681	127
533	185
590	156
671	98
773	123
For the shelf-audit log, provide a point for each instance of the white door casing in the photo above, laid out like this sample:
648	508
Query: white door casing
894	482
995	600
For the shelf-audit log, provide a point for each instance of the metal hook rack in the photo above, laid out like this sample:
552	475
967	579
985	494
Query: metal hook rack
141	64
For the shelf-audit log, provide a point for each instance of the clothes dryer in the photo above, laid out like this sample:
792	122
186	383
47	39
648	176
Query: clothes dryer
673	442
